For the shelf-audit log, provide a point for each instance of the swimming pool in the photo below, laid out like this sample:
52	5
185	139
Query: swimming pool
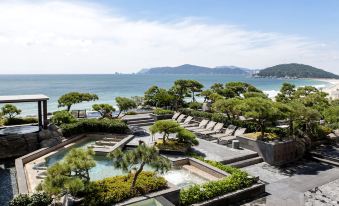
104	167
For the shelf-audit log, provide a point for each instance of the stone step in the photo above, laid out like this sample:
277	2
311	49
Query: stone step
140	121
141	124
334	163
240	158
334	158
247	162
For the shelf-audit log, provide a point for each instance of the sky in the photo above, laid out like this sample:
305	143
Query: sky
108	36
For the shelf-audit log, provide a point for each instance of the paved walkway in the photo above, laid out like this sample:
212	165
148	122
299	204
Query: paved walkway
210	150
288	185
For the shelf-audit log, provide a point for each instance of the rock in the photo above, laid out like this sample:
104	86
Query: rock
50	142
53	127
18	145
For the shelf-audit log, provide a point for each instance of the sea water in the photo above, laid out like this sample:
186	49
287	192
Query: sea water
109	86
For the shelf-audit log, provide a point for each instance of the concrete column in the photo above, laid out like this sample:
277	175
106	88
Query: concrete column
45	113
39	115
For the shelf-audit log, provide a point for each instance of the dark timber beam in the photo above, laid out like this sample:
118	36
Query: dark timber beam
44	113
40	115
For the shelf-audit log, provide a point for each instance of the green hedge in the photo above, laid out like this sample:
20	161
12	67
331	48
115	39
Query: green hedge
116	189
209	190
19	121
94	125
237	179
36	199
159	111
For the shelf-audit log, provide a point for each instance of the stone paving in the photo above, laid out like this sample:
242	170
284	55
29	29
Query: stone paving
297	184
210	150
8	186
327	194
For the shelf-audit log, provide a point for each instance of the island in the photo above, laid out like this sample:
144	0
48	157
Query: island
295	70
193	69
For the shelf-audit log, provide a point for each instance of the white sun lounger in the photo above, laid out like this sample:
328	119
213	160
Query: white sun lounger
225	140
181	118
176	115
202	124
229	131
187	121
209	127
217	129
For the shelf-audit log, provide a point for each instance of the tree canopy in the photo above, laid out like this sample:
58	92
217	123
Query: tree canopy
136	160
10	111
71	98
104	109
124	104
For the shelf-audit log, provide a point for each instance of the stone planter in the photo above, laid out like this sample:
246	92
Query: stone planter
161	117
274	152
236	196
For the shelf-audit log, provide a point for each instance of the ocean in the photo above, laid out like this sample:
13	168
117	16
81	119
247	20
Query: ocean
109	86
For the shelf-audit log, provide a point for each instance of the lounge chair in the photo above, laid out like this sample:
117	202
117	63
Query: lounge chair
217	129
201	125
176	115
227	139
187	121
181	118
209	127
229	131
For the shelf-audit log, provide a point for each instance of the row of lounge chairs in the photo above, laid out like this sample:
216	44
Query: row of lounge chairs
209	130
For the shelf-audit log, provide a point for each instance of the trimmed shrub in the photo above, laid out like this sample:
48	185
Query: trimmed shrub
37	199
185	136
19	121
209	190
195	105
131	113
94	125
62	117
116	189
237	179
159	111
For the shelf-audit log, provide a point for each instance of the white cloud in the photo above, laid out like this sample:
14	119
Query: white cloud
63	37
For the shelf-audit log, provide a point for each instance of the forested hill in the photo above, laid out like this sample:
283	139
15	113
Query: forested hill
193	69
295	71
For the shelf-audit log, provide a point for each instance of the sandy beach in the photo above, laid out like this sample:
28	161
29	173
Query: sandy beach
333	89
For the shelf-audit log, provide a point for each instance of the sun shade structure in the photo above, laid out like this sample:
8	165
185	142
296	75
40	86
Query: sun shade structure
39	98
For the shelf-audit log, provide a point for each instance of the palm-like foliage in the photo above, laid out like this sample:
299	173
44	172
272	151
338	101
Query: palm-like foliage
136	160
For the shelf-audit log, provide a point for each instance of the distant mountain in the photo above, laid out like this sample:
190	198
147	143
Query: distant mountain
193	69
295	71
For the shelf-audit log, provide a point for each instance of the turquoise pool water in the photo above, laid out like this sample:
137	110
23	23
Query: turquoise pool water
104	168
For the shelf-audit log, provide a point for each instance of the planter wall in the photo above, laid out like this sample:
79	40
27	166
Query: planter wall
235	197
161	117
274	153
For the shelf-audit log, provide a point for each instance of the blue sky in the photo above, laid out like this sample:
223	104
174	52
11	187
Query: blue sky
318	19
103	36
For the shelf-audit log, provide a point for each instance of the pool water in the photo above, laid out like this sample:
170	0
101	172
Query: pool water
104	168
19	130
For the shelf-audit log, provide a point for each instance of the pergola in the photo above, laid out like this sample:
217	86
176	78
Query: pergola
39	98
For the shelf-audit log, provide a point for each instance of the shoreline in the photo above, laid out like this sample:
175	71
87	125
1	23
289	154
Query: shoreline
332	89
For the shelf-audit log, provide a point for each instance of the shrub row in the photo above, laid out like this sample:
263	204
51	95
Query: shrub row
159	111
36	199
237	179
94	125
116	189
19	121
209	190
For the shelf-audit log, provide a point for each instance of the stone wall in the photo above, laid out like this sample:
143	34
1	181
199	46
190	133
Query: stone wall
12	146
